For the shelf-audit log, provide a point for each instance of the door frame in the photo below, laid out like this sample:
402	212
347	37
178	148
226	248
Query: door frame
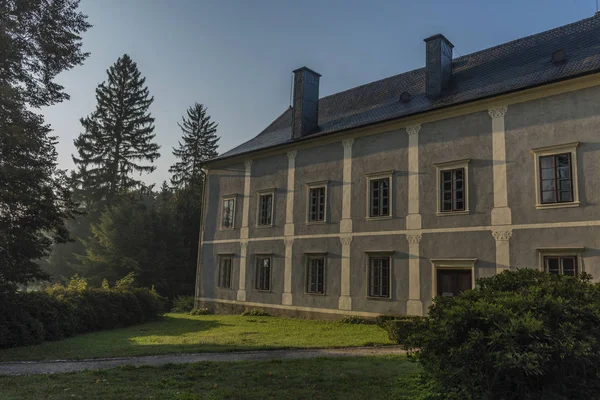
450	263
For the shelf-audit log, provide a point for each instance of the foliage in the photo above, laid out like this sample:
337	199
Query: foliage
353	319
118	138
399	329
183	304
255	312
520	335
382	320
62	311
200	311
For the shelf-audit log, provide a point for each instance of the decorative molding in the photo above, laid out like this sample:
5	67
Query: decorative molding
288	242
346	240
414	239
243	246
502	235
499	112
248	164
292	154
347	143
413	130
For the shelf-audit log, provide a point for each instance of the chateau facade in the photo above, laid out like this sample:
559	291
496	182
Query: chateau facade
379	198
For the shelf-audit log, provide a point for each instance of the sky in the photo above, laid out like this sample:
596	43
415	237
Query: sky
237	57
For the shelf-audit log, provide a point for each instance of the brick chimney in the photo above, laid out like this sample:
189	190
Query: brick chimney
438	64
305	116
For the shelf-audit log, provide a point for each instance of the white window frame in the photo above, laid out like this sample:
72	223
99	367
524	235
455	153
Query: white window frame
270	257
316	185
223	199
444	166
561	252
260	193
550	151
379	254
450	263
307	257
375	176
219	258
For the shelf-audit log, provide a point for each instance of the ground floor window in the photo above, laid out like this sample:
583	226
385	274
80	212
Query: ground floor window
379	276
561	265
315	274
452	282
263	273
225	266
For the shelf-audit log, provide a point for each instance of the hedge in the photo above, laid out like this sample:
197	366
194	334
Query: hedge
58	312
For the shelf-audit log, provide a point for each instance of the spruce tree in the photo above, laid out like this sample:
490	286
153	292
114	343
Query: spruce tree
38	40
199	144
118	137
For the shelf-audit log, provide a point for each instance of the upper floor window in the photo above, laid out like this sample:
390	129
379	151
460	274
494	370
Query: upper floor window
379	195
265	208
263	273
225	268
317	202
315	274
556	176
453	189
561	261
228	213
379	276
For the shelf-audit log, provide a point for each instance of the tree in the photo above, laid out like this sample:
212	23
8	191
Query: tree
199	144
38	40
118	138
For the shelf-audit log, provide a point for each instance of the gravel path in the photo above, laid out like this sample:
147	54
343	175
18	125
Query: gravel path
58	366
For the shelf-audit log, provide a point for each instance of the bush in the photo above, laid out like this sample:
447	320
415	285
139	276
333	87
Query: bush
255	312
352	319
382	320
200	311
520	335
399	329
183	304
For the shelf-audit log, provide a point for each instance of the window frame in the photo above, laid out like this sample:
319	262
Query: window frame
452	165
258	257
380	254
570	148
376	176
308	257
220	258
576	252
259	195
452	264
316	185
223	199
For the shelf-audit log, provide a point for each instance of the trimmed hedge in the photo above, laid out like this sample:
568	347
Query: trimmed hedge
28	318
399	329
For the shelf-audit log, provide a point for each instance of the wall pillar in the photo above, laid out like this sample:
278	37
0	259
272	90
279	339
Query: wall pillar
501	214
346	222
413	219
246	205
289	209
414	305
502	238
241	293
345	301
286	297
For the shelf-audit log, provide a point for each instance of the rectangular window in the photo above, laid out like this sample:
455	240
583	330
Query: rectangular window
452	190
228	213
225	266
379	276
556	183
561	265
315	274
316	204
265	209
263	273
379	197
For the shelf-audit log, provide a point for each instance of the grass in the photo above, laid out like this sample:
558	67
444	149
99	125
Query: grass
182	333
391	377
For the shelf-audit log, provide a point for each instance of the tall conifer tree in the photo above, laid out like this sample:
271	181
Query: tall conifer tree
118	137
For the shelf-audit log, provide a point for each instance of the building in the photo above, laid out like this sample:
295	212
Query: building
376	199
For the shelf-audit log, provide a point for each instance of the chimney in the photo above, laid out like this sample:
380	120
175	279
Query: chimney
438	65
305	116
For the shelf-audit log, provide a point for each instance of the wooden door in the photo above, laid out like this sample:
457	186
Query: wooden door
451	282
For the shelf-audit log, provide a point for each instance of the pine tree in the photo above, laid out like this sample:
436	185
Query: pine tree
199	144
38	40
118	138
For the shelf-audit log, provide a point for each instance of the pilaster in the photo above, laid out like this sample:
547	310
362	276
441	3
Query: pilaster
502	238
501	213
286	297
241	293
346	222
246	205
413	219
414	305
289	210
345	301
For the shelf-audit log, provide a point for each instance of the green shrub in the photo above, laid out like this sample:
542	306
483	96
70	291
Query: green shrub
353	319
382	320
255	312
519	335
183	304
399	329
200	311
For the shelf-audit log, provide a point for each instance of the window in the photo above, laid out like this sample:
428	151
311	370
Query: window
228	213
265	208
316	202
453	187
315	274
452	276
379	195
263	273
561	265
225	266
379	276
556	176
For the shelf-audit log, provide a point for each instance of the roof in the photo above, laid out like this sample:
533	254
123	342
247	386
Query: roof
512	66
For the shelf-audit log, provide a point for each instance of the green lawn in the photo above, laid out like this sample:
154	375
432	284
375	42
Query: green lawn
391	377
181	333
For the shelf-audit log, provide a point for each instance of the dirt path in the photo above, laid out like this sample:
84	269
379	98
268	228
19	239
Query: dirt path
58	366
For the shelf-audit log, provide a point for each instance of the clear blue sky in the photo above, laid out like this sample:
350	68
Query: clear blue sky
236	57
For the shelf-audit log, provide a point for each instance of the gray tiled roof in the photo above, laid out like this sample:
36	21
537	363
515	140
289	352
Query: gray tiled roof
512	66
